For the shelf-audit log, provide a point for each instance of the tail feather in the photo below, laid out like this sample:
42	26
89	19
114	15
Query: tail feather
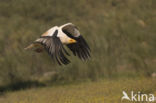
35	47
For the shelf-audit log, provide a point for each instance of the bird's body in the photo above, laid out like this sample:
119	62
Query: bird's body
64	38
55	38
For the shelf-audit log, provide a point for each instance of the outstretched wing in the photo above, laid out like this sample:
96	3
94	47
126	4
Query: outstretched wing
80	48
54	47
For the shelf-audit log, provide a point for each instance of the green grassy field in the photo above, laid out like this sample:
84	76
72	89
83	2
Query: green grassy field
102	91
120	33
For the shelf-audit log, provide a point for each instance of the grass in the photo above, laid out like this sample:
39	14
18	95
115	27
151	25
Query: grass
102	91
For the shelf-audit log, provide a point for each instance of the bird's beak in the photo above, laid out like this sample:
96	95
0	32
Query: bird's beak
72	41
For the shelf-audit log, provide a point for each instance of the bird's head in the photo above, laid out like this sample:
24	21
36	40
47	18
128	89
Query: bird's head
70	32
66	40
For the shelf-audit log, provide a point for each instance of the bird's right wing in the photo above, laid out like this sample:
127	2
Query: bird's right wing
54	47
80	49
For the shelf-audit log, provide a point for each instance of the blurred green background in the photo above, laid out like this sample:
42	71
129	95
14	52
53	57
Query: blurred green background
121	35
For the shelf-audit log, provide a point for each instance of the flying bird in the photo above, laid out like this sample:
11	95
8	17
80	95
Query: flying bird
54	40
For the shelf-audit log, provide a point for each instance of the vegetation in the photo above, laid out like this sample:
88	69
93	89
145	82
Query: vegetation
102	91
121	34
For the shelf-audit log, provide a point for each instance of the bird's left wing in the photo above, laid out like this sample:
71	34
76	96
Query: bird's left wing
54	47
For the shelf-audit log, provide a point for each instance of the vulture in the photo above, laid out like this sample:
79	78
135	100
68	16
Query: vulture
54	40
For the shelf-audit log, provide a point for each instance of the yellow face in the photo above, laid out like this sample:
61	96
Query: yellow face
67	40
70	41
